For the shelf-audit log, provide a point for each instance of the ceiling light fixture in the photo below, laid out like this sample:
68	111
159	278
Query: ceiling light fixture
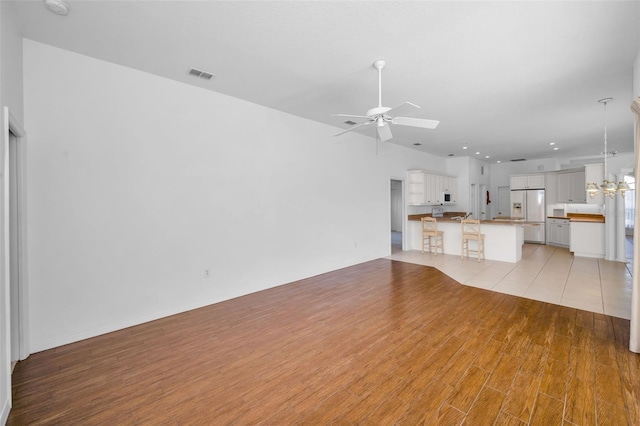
556	148
552	143
608	188
59	7
478	153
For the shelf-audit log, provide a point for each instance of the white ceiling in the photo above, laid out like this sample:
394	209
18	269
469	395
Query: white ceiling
506	78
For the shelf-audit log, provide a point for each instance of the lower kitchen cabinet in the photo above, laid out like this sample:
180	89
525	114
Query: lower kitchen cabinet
559	232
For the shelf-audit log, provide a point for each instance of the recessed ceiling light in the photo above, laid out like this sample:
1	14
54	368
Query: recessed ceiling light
478	153
486	156
498	161
552	143
556	148
464	147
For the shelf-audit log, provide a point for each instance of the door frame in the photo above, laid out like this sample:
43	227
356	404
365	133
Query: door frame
18	288
403	210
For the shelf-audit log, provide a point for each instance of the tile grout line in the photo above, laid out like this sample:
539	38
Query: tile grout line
564	288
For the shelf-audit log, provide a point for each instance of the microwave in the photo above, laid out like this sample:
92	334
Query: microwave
447	198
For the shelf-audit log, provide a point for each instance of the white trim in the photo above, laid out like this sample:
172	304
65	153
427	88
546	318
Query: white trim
634	334
4	413
5	283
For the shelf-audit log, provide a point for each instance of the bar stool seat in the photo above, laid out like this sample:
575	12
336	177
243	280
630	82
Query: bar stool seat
470	232
429	231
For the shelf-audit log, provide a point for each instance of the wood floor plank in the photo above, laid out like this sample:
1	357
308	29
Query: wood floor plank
522	396
382	342
468	388
548	411
554	379
505	372
486	407
580	402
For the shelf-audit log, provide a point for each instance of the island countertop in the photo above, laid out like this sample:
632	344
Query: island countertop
448	218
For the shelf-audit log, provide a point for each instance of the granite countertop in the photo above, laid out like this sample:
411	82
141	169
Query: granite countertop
447	218
581	217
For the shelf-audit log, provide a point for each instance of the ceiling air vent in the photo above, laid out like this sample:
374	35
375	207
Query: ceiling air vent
350	123
519	159
417	144
202	74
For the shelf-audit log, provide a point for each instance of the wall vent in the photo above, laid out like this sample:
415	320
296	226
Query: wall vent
202	74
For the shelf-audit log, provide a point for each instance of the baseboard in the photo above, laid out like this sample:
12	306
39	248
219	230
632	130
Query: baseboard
6	408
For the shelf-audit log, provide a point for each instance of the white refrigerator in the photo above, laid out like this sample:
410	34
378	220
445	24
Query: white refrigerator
528	204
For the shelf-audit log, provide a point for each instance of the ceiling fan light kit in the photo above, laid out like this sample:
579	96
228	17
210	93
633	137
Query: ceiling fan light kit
384	116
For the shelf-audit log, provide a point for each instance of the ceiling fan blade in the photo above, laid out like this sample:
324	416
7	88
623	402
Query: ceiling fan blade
415	122
402	109
352	128
349	115
384	132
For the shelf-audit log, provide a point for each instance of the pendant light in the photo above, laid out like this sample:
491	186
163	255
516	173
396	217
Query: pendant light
608	188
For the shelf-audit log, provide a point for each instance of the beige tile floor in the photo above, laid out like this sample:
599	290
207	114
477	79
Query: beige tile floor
545	273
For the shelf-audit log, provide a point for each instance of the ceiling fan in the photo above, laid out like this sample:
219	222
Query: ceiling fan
383	116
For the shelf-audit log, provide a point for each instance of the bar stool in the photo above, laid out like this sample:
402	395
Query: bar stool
430	230
471	231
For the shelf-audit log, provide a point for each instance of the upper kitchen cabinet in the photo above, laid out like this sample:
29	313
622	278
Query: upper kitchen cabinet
527	182
416	186
571	187
428	189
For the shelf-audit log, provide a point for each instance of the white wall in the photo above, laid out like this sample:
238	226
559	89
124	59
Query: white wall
139	183
10	96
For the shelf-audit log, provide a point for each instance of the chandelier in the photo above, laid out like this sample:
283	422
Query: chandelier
608	187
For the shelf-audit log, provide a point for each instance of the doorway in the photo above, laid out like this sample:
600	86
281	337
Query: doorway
474	201
504	201
397	214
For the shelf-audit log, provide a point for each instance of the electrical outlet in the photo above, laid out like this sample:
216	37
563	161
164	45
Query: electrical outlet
207	273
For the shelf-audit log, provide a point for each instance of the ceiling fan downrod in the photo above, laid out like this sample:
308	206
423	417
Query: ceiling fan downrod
379	64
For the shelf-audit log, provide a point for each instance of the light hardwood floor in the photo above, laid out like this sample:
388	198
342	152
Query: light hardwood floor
381	343
545	273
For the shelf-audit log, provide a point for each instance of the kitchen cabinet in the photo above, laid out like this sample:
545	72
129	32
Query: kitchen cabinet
416	188
527	182
571	187
559	232
427	188
587	239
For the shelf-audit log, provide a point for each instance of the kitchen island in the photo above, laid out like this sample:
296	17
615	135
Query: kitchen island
586	234
503	238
